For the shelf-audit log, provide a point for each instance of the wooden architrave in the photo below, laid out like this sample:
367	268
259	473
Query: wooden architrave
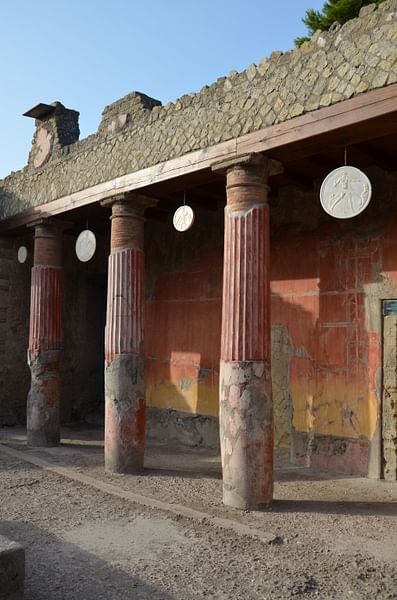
351	121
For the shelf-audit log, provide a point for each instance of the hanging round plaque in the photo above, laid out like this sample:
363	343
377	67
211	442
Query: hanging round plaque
345	192
22	254
85	245
183	218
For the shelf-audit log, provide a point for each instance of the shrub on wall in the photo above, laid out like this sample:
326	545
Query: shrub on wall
334	11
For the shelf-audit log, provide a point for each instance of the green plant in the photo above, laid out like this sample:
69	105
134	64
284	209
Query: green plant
333	10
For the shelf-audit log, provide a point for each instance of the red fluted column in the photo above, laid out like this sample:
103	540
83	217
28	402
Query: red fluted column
246	415
125	409
45	337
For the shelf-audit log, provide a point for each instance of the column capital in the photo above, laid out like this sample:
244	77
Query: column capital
48	241
127	219
132	202
48	227
257	161
247	180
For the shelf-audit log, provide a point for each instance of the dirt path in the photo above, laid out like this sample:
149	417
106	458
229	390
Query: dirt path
83	544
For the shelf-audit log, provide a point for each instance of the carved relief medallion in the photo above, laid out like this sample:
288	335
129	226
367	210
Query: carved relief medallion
183	218
345	192
85	245
43	146
22	254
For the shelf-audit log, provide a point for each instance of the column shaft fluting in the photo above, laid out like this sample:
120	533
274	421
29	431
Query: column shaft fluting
246	419
125	411
45	336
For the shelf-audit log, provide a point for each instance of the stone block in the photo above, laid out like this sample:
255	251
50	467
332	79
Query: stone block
12	570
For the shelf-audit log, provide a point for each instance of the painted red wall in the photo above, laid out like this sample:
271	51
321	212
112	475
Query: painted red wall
182	338
319	289
327	289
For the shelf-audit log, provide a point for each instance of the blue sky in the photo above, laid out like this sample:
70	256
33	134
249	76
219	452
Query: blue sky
89	53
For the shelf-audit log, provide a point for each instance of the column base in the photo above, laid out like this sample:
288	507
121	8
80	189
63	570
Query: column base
39	440
234	500
130	463
125	414
246	432
43	423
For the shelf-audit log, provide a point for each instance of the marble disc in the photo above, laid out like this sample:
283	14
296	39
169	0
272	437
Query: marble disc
345	192
85	245
183	218
22	254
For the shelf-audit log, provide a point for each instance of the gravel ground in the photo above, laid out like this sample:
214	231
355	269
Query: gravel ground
83	544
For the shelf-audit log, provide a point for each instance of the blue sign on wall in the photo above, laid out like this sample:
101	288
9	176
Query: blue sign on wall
389	307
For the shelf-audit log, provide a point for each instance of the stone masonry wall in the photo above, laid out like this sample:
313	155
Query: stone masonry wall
14	332
136	132
84	294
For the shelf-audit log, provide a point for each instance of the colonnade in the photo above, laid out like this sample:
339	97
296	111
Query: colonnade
246	421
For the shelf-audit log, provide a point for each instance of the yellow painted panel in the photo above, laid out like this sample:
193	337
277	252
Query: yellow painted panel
334	409
187	396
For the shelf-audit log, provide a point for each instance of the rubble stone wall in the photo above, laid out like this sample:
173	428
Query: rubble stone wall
14	332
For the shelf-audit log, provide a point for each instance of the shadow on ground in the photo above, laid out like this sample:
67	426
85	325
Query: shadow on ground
384	509
59	570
